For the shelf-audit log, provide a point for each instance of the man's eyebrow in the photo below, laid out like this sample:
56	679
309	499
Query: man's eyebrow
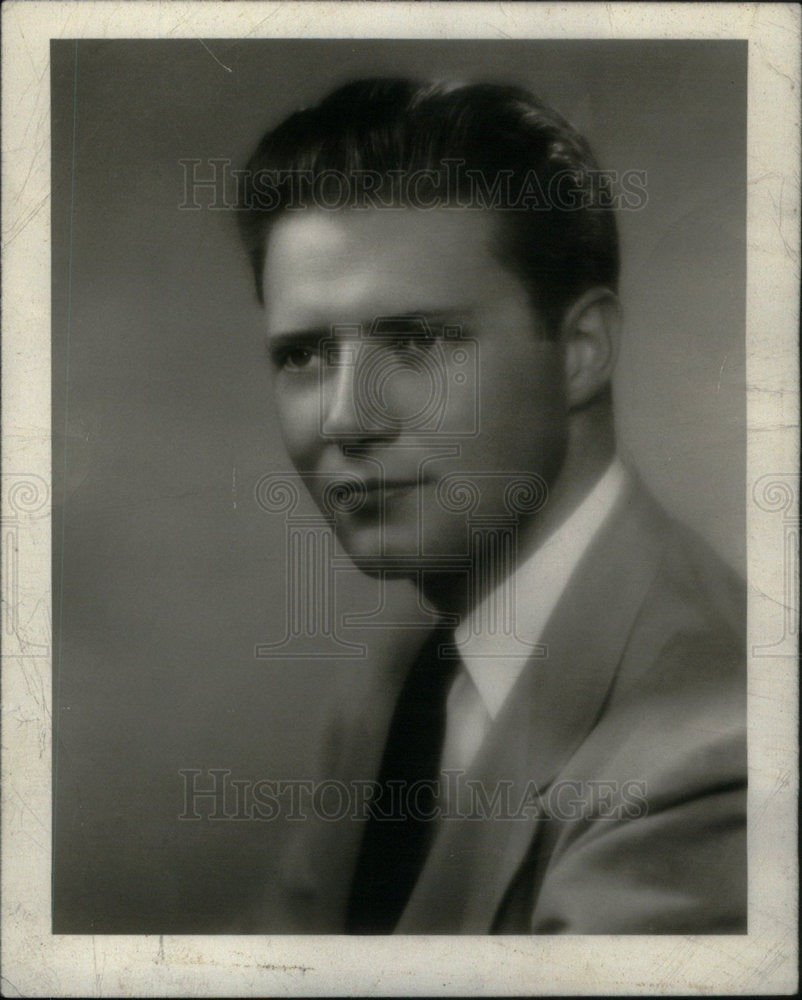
292	338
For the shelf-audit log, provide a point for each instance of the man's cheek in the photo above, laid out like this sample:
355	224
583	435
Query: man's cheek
301	436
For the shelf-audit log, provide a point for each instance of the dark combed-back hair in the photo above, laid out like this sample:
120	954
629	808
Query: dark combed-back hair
463	142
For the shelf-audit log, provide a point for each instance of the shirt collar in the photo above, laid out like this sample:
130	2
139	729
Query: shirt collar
496	646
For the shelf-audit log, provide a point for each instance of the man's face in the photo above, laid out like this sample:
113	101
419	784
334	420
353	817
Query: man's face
405	355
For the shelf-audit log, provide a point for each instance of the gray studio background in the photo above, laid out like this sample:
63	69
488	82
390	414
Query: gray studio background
167	573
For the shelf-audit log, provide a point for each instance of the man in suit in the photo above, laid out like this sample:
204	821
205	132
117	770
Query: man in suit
438	266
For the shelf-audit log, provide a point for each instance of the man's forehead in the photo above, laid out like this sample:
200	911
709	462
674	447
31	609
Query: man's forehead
380	261
319	238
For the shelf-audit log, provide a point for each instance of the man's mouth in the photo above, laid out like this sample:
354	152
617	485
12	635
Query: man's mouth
388	485
367	494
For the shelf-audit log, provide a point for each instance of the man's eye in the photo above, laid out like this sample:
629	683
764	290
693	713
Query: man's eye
294	358
298	357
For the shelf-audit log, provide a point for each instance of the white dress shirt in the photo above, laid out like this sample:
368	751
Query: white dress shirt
495	644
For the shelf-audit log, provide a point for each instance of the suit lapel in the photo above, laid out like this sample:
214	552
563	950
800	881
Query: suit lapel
554	705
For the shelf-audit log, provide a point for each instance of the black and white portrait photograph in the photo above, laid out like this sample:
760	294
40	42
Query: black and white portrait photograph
400	503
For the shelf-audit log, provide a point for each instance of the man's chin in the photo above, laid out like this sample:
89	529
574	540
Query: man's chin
390	556
391	563
387	570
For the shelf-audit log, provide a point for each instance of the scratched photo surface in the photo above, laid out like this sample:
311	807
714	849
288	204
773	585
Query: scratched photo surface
194	668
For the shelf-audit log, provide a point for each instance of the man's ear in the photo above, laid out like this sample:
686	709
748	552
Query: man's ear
590	332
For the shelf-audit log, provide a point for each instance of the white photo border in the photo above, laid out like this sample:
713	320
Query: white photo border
37	963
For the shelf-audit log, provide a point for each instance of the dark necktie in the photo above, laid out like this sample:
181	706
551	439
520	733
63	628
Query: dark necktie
398	832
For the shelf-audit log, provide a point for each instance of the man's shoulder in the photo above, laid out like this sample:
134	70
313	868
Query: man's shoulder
653	606
691	584
655	841
676	711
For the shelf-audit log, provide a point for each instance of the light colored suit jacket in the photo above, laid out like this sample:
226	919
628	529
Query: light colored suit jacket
629	736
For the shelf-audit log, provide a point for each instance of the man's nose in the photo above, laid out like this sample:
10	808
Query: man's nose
349	411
